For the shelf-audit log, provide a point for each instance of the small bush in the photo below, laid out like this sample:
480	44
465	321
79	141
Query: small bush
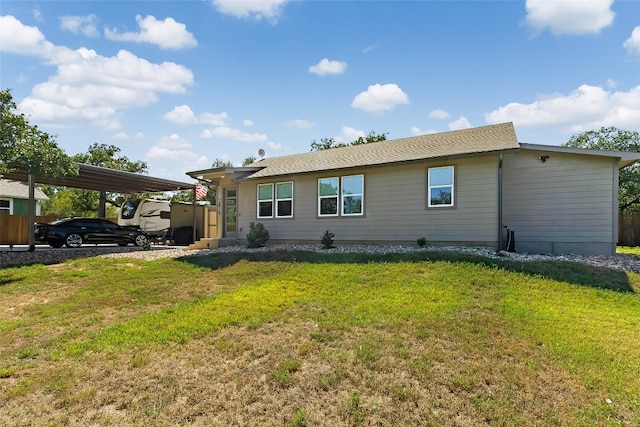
422	242
257	236
327	240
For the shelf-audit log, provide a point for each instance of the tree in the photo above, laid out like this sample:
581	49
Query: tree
80	202
328	143
24	146
614	139
249	160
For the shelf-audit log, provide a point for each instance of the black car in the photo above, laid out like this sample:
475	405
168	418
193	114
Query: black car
73	232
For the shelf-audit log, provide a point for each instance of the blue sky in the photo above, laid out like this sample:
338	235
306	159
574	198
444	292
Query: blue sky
179	84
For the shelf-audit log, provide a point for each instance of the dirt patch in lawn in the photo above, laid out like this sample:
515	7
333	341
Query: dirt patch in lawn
296	373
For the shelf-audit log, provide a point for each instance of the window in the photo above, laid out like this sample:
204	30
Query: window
328	197
5	206
341	196
265	200
440	185
283	200
352	194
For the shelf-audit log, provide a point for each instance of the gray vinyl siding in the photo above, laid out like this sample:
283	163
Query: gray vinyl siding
394	206
564	205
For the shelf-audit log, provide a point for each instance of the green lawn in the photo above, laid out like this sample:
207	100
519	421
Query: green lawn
302	338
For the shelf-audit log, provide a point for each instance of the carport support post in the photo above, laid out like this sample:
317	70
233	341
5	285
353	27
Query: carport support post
32	211
102	205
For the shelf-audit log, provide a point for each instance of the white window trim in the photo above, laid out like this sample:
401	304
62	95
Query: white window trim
275	196
258	200
340	197
274	200
336	196
452	186
347	195
10	209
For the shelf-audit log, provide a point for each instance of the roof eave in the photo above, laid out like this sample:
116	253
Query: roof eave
625	158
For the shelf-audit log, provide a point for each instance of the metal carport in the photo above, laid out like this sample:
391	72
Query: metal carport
96	178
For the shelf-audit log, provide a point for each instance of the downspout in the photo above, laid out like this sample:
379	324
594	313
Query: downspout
500	202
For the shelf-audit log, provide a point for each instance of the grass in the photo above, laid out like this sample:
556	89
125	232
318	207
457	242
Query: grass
635	250
301	338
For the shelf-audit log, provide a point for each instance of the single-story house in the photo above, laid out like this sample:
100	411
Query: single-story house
454	188
14	198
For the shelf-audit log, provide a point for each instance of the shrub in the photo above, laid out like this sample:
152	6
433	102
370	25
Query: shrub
257	236
327	240
422	242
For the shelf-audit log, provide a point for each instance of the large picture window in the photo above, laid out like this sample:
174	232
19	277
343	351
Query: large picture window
341	196
440	187
278	197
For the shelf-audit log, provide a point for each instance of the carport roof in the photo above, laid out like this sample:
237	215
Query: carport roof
104	179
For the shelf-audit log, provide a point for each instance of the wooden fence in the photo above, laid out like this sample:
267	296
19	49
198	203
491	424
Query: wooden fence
629	229
14	229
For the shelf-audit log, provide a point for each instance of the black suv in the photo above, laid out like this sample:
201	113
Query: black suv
73	232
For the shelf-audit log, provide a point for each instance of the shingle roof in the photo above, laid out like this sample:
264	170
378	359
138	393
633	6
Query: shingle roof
19	190
461	142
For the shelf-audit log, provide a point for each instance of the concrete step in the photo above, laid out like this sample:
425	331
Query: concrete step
204	243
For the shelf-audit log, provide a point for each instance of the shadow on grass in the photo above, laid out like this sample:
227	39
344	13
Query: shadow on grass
564	271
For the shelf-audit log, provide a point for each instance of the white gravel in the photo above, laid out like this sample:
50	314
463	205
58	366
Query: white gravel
626	262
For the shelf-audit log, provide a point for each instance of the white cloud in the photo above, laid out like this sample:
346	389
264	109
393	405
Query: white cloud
124	136
174	147
439	114
632	44
299	124
81	24
325	66
415	130
247	123
167	34
588	107
349	134
276	146
182	115
233	134
220	119
269	10
88	88
378	98
461	123
569	16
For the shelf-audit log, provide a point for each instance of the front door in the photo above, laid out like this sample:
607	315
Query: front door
230	213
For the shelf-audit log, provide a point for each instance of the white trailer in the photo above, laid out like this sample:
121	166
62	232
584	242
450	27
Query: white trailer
152	215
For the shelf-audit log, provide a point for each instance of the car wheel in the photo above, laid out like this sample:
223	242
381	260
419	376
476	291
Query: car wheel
140	240
73	240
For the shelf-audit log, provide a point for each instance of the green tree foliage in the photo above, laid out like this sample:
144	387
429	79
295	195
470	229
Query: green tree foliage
80	202
328	143
24	146
614	139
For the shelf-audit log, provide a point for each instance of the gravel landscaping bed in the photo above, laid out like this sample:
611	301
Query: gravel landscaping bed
626	262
